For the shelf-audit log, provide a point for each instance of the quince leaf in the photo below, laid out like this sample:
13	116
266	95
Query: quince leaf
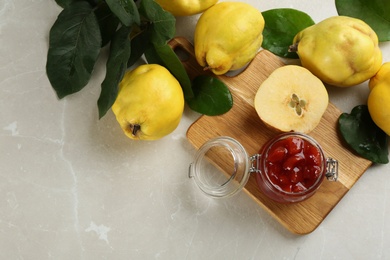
363	135
108	22
374	12
64	3
163	23
211	96
125	10
74	46
139	44
116	67
281	26
165	56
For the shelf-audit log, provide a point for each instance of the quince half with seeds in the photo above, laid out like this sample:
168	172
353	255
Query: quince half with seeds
291	99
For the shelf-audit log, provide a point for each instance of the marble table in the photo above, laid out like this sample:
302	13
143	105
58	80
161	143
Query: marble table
75	187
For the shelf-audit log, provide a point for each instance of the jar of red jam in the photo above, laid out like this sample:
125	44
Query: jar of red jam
288	168
292	167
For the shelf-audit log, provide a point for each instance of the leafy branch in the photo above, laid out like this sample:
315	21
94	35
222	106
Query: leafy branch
131	28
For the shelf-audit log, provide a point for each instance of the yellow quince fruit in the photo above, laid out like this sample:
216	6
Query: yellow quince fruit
150	102
186	7
342	51
227	36
379	98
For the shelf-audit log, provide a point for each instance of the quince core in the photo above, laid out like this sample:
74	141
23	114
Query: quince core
291	99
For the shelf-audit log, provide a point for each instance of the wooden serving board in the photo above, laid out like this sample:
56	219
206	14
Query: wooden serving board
243	124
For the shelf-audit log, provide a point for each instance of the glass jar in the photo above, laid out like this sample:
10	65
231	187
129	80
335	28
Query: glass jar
288	168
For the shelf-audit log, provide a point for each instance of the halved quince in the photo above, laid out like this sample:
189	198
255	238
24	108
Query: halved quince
291	99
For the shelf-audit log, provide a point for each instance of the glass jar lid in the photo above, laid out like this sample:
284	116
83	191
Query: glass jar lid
221	167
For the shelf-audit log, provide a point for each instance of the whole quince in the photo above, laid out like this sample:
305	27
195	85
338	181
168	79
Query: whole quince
185	7
150	102
378	102
341	51
227	36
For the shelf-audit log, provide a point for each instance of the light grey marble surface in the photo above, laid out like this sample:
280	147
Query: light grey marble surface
74	187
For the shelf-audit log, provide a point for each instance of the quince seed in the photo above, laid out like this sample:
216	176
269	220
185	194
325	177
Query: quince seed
292	104
297	104
294	98
298	110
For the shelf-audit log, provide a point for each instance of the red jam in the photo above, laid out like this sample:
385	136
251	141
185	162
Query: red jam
292	168
293	164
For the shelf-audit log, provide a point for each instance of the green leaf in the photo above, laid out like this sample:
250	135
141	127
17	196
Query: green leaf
165	56
108	22
375	13
125	10
363	136
65	3
163	23
139	43
74	46
116	67
211	96
281	26
95	2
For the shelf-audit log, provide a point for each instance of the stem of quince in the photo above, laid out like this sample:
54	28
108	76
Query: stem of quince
293	47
